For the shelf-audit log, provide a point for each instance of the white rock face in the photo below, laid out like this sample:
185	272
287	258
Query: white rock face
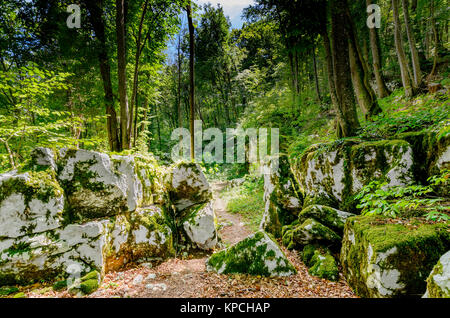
334	175
188	186
438	283
43	157
443	161
96	186
26	210
257	254
201	229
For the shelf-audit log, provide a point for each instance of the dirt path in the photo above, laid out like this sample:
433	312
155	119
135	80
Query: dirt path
233	229
188	278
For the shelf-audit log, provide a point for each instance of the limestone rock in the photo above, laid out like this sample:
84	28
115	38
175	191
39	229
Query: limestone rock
331	174
332	218
438	283
187	186
43	158
310	232
200	227
257	254
30	203
282	202
381	259
97	186
323	265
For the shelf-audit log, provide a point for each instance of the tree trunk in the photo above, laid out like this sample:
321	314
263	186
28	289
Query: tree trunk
330	70
376	59
316	77
360	74
121	70
412	46
96	10
436	39
342	77
406	80
191	77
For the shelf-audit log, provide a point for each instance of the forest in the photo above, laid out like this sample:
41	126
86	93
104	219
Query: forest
359	93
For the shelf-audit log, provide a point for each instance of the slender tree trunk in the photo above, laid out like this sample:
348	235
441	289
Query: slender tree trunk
436	39
330	72
316	76
406	80
360	74
376	59
180	119
342	77
191	77
96	10
412	46
121	70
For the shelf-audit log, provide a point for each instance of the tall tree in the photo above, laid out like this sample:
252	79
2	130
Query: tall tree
406	80
382	89
191	77
412	45
122	74
348	119
95	9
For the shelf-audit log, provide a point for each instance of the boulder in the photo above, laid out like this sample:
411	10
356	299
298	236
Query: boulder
332	218
257	254
382	257
310	232
282	201
151	175
30	203
331	174
96	186
43	158
47	255
85	285
438	283
200	227
323	265
187	186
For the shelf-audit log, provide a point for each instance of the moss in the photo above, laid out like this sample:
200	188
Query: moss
308	253
324	266
8	290
312	231
20	295
417	247
60	285
323	214
89	286
249	256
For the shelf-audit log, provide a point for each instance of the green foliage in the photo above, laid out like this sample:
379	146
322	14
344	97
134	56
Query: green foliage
402	115
247	201
378	199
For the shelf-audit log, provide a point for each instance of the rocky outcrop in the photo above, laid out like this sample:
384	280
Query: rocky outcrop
77	211
200	227
283	201
331	174
383	258
438	283
257	254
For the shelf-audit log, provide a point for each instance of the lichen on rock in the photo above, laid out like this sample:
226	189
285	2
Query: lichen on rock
438	282
384	259
257	254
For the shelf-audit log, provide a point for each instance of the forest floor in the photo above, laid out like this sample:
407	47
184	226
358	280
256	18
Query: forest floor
187	278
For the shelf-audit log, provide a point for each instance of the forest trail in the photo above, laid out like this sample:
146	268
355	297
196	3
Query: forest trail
188	278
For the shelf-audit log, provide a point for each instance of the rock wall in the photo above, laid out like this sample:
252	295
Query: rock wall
89	211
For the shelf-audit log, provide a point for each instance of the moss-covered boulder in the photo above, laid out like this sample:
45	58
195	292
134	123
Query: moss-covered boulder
438	283
151	236
44	256
30	203
200	227
310	232
187	186
42	159
97	185
323	265
282	200
151	174
257	254
87	284
381	257
332	218
331	174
